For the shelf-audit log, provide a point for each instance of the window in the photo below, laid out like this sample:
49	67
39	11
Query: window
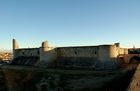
95	52
75	52
38	52
23	53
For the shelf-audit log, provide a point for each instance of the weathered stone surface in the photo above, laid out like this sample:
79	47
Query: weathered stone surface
77	56
135	83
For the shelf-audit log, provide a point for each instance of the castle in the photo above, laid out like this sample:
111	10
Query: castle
101	56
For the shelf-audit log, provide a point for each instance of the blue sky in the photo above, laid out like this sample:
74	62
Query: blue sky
69	22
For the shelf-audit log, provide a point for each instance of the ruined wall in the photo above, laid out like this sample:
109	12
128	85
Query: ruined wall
80	56
77	56
78	51
27	52
88	56
28	57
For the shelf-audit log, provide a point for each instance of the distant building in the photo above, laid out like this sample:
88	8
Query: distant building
5	56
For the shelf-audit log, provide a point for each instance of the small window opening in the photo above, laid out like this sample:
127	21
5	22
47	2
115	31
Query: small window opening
38	52
95	52
23	53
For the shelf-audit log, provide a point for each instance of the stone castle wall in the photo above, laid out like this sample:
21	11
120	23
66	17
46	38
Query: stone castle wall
86	51
80	55
26	52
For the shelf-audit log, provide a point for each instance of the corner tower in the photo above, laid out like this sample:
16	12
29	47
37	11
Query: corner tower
15	44
45	46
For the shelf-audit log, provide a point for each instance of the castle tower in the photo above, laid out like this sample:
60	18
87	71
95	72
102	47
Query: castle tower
47	55
107	52
15	44
45	46
117	44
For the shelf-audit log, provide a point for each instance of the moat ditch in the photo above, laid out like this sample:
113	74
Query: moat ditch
36	79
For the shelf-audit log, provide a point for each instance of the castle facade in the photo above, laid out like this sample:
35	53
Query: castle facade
101	56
